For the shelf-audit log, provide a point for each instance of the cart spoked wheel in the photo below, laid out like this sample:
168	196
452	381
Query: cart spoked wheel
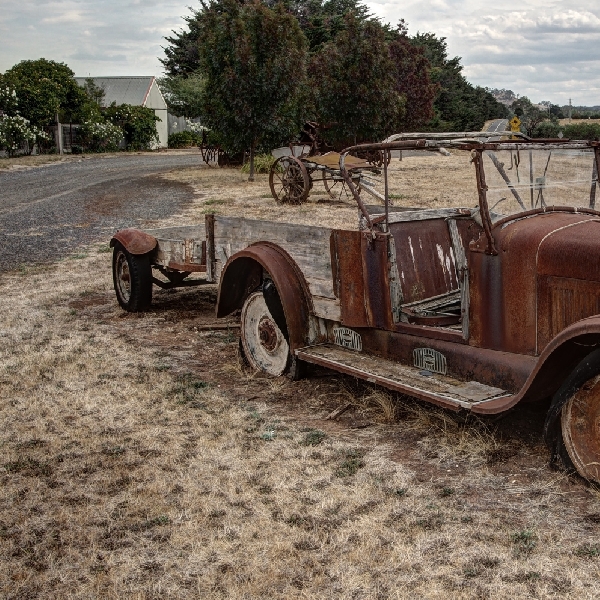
337	188
210	155
262	341
289	180
580	424
132	279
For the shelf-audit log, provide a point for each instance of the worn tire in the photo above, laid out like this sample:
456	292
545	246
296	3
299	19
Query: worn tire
556	427
264	335
132	279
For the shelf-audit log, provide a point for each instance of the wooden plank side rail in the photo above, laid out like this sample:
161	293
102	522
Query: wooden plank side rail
308	246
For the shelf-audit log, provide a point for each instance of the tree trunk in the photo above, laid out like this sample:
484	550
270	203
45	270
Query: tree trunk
251	176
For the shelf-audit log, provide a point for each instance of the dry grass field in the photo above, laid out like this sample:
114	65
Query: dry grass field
139	460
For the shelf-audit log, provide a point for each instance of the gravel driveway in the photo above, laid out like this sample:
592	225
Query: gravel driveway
48	212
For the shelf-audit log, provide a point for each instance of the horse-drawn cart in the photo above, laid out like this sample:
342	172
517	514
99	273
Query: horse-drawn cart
291	177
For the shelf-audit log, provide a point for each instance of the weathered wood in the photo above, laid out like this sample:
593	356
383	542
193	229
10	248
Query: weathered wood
334	414
327	308
209	222
439	389
308	246
425	214
463	275
197	232
377	209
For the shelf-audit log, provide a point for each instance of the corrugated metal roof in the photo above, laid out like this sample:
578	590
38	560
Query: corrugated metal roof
122	90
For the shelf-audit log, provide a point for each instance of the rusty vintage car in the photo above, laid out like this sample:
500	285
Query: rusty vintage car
472	307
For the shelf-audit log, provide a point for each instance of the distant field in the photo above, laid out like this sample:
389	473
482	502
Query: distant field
574	121
140	460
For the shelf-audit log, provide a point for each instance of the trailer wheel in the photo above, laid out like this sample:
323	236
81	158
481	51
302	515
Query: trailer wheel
580	425
262	341
132	279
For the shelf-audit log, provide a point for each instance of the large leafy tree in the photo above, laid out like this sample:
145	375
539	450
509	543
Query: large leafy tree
355	84
320	20
413	81
530	115
45	88
253	59
183	93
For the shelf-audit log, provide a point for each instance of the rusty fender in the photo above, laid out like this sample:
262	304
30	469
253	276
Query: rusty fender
555	364
243	273
134	241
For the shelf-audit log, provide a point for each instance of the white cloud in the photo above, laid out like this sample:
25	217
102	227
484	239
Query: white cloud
540	48
108	37
537	48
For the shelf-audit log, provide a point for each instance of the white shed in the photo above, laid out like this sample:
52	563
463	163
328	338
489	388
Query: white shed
137	91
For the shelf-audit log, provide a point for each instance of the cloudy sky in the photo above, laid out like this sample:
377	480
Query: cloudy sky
544	49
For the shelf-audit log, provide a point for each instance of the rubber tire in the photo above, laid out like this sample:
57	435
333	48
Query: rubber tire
589	367
140	273
295	369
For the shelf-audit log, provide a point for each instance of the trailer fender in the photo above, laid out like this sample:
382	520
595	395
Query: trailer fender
558	361
244	272
134	241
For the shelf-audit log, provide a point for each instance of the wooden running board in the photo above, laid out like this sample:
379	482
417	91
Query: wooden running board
439	389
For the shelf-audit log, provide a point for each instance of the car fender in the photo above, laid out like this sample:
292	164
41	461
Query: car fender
134	241
244	272
555	365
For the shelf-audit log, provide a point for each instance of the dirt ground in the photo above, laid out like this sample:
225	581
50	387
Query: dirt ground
140	460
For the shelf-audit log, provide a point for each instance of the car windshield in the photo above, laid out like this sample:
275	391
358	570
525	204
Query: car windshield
526	179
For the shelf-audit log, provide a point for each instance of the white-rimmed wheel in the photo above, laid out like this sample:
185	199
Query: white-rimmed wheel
263	343
132	279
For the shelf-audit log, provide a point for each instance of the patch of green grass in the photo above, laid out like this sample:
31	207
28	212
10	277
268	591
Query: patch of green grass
213	201
79	256
158	521
269	435
352	462
588	551
524	542
186	390
104	249
262	164
313	438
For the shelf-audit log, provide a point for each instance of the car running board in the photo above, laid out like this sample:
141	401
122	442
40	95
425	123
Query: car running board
413	381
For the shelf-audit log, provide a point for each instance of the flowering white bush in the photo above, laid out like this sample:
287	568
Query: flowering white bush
100	136
195	127
15	131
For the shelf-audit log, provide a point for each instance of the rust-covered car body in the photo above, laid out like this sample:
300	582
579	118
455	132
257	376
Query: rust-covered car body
475	307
